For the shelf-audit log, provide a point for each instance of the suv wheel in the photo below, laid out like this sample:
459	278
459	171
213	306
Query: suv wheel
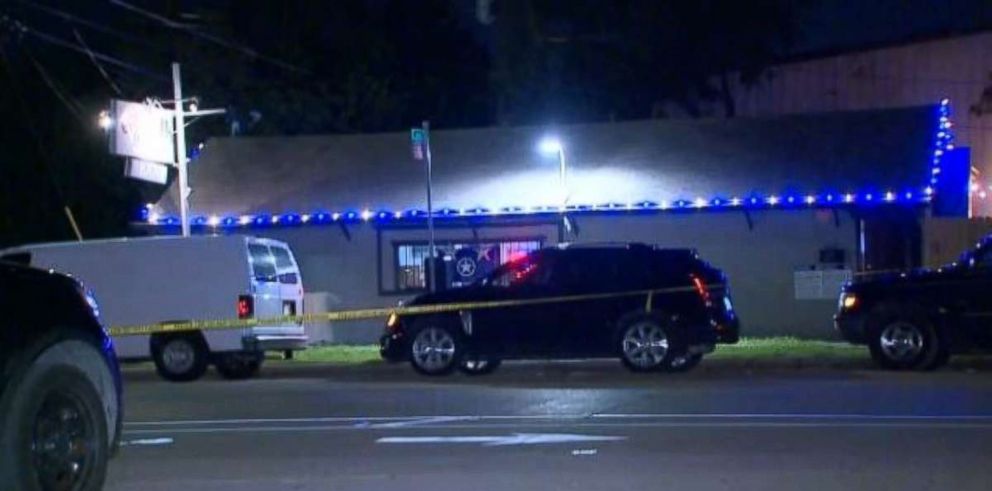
180	358
435	349
647	345
906	343
55	433
479	365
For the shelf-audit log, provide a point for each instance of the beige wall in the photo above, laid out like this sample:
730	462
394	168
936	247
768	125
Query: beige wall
946	238
957	68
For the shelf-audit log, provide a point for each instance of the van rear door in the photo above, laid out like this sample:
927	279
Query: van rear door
278	292
290	283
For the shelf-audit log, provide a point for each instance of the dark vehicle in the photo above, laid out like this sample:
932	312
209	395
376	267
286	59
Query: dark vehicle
612	316
917	320
60	387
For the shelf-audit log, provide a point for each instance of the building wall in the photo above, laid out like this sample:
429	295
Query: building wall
760	260
958	68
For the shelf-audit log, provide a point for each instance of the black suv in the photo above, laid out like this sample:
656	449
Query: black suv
60	387
916	320
614	310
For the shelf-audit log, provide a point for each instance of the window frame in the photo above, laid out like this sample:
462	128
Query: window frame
470	242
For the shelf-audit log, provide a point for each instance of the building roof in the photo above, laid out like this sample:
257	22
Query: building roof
664	162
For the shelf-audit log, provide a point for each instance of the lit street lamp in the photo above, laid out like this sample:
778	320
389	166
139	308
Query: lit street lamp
551	146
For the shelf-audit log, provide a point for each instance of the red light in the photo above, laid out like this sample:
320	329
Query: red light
246	306
701	289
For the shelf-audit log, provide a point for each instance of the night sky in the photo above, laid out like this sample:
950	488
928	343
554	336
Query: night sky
348	66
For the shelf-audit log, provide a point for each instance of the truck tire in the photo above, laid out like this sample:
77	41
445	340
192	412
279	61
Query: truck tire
54	431
905	340
180	357
648	344
436	346
238	366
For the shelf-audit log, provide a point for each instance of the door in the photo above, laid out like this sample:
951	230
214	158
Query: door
264	282
519	330
588	326
290	283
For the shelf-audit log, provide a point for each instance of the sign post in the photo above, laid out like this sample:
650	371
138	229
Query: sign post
421	146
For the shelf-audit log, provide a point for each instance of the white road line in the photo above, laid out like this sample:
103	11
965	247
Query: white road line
506	440
590	424
399	421
423	421
147	441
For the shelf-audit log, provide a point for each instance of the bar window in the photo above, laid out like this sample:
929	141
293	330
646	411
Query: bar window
465	262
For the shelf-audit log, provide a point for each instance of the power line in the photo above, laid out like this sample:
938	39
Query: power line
22	28
46	158
70	104
74	19
99	67
165	21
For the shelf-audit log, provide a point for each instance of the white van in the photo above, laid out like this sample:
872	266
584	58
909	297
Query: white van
155	280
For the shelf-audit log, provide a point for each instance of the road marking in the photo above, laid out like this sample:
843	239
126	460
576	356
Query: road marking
147	441
433	419
501	441
420	422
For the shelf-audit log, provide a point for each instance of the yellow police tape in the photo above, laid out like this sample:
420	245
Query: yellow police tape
360	314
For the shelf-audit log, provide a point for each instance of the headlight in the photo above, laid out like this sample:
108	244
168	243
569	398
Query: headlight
392	320
848	301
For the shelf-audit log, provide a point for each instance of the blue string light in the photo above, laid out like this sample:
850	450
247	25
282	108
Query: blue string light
943	142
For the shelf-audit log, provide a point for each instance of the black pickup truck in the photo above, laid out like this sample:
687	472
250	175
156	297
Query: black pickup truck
916	320
60	386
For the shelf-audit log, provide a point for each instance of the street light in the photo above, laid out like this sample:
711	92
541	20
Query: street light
552	146
104	120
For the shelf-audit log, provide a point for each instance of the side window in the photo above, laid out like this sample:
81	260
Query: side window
527	271
283	259
263	265
589	271
285	266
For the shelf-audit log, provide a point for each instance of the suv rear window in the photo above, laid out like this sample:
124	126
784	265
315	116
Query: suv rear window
263	265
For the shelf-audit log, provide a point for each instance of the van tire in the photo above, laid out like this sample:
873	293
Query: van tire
238	366
180	357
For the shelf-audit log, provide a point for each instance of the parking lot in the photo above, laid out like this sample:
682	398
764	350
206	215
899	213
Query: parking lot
559	425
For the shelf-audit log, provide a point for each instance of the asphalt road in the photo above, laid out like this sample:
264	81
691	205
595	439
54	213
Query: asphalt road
558	426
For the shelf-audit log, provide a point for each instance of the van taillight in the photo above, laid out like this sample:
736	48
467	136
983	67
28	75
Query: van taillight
246	306
701	289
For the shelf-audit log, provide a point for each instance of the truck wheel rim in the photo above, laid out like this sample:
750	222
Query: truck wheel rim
433	349
178	356
901	341
63	442
645	344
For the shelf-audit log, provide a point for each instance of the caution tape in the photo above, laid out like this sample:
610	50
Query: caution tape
373	313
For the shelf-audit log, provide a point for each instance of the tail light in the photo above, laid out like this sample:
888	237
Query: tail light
702	290
246	306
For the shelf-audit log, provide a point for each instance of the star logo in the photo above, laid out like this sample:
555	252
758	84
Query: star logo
465	267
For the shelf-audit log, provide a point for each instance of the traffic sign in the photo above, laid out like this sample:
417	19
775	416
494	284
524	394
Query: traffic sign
417	141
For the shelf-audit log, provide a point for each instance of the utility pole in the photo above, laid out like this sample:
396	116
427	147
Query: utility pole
432	276
177	93
181	159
